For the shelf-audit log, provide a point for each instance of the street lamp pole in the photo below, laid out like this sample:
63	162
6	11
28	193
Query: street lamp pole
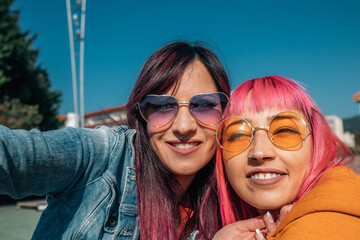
82	43
73	63
73	19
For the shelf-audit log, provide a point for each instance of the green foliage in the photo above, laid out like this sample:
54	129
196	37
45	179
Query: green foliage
24	86
14	114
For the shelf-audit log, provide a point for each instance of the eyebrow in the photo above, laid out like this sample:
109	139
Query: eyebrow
234	123
269	118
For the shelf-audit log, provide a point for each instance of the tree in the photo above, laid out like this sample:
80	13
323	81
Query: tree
26	100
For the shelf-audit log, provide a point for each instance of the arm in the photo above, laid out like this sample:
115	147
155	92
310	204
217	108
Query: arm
37	163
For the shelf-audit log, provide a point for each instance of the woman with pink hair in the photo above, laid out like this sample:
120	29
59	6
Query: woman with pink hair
277	152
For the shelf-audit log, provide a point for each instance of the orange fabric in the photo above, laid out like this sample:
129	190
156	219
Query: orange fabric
331	210
185	215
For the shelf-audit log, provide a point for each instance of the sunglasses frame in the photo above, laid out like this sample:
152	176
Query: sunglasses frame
178	107
253	129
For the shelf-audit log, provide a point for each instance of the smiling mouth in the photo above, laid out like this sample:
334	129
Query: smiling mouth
264	175
184	145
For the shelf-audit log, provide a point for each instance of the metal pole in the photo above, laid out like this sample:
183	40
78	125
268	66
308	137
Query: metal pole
73	63
82	37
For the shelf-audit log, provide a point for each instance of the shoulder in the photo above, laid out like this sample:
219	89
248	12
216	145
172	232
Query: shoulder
332	205
122	145
335	184
337	190
120	133
322	225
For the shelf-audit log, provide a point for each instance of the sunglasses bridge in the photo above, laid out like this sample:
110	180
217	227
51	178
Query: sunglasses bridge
185	104
254	129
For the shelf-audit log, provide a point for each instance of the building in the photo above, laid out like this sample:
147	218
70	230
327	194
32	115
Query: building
111	116
337	126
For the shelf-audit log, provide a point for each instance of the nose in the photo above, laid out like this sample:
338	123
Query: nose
184	124
261	148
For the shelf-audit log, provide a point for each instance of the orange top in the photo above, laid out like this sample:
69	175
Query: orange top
185	215
331	210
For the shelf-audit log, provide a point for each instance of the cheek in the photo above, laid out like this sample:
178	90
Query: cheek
305	155
235	170
298	164
151	130
154	136
229	155
209	134
303	166
153	144
151	136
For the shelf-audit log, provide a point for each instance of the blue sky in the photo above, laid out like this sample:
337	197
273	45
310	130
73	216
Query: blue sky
314	42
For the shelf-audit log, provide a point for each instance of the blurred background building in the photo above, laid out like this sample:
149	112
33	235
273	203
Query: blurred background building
337	126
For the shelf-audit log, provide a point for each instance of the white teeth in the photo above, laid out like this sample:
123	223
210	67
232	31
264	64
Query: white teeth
265	175
184	145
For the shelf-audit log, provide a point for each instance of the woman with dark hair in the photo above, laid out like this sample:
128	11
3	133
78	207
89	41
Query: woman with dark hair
278	156
148	181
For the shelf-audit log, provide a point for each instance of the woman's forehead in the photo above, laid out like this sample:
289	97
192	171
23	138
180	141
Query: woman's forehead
252	103
266	114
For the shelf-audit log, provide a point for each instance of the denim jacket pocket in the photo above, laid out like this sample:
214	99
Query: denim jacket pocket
97	215
77	214
128	208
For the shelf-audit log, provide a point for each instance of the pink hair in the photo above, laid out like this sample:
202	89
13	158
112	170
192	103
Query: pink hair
328	150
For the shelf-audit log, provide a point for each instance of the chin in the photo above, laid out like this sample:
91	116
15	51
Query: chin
268	207
263	210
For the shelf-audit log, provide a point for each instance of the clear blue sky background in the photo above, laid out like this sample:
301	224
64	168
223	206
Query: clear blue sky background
315	42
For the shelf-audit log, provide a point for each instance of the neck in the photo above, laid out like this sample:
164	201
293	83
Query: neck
184	182
262	211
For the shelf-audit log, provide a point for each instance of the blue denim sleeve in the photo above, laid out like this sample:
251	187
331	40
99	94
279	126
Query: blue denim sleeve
38	163
192	236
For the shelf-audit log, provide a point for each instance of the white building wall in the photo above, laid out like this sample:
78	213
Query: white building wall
337	126
72	120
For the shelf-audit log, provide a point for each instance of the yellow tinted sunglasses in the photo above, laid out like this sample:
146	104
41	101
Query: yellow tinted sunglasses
286	131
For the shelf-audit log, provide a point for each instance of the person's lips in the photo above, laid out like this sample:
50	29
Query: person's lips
184	147
265	176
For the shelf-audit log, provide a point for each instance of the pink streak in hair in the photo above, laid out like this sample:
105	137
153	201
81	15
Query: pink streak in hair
226	210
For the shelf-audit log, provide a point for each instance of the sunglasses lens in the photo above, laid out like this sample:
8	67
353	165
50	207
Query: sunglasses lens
208	108
158	110
234	134
287	130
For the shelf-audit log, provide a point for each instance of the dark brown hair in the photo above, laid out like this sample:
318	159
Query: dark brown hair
158	203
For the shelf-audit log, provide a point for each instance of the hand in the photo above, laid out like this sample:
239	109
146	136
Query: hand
244	230
270	224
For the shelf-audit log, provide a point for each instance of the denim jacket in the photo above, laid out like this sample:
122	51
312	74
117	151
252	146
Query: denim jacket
87	175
